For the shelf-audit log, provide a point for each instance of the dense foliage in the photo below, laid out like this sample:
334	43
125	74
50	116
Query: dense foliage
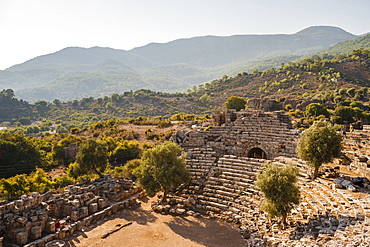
162	168
37	181
280	190
319	144
234	102
18	153
332	81
91	158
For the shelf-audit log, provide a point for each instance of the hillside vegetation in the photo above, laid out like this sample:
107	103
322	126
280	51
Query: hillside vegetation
49	134
316	78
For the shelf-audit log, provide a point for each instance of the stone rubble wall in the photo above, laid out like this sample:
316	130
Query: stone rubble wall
357	151
30	221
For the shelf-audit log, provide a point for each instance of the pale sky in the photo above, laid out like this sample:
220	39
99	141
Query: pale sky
31	28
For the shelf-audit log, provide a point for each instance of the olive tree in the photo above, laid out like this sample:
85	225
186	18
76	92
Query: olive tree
235	102
92	157
162	168
316	109
278	183
320	144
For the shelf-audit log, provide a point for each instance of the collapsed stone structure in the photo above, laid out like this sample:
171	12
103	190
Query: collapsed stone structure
31	220
224	161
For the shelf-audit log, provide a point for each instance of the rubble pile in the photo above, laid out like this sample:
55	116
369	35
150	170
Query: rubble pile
32	220
356	151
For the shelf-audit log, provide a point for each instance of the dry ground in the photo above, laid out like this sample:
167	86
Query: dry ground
153	229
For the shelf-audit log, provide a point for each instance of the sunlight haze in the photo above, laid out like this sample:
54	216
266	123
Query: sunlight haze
33	28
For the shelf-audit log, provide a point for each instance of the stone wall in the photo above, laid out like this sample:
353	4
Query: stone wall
357	151
244	134
30	221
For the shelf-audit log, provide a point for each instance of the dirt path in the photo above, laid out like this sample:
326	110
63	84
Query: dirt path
152	229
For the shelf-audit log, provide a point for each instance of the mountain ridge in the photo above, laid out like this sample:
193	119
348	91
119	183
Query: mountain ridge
210	56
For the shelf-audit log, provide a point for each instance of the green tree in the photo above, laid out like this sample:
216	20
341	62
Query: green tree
9	93
280	190
205	98
91	158
25	121
348	114
17	185
316	109
39	181
61	129
125	151
163	167
235	102
17	154
319	144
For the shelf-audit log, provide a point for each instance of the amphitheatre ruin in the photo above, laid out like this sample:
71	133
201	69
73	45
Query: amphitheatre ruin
223	161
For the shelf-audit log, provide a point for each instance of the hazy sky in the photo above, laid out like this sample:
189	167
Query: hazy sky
31	28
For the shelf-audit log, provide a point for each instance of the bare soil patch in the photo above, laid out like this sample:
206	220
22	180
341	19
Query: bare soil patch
152	229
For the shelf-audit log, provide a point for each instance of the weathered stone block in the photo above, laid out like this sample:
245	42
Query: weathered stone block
75	203
114	208
36	232
84	211
102	203
48	238
75	215
78	226
39	243
61	234
21	238
50	227
34	218
93	207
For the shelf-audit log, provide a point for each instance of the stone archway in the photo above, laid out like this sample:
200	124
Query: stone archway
257	153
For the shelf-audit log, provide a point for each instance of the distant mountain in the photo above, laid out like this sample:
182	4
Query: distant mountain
343	48
347	46
175	66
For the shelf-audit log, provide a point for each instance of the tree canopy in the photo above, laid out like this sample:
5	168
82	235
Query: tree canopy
279	188
319	144
92	157
162	168
18	154
316	109
235	102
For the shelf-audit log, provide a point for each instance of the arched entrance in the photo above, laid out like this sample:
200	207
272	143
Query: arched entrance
256	153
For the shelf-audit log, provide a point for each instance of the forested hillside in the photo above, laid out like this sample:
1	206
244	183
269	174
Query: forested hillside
321	78
74	73
334	88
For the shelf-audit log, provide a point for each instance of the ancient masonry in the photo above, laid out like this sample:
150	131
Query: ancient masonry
357	151
224	161
31	220
244	134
